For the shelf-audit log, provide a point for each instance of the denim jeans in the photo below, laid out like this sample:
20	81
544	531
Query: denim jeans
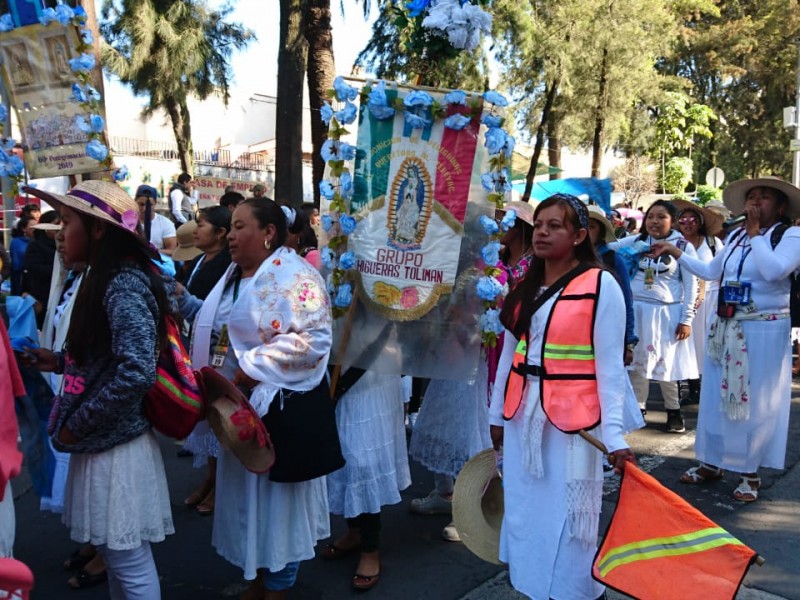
284	579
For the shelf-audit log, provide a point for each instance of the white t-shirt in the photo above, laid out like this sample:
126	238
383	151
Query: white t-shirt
161	228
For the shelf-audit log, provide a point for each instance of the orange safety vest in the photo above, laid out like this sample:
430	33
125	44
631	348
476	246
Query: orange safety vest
567	378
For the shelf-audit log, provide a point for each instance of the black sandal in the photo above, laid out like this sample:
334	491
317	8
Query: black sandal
77	560
87	580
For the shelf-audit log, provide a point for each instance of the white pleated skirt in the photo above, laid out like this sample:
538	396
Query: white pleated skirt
658	355
119	497
369	418
453	423
260	523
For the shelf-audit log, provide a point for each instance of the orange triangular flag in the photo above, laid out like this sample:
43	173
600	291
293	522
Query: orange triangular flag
657	546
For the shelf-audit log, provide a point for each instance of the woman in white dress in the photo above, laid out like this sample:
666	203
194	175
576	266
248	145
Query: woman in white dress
369	418
553	481
700	227
274	343
664	308
745	399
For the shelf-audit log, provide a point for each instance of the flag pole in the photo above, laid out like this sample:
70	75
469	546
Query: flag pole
759	560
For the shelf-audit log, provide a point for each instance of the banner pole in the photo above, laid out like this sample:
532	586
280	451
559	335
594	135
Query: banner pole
343	342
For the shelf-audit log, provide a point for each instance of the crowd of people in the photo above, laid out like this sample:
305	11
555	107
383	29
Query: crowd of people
592	314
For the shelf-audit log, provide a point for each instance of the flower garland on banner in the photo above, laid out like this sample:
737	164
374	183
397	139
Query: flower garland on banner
83	92
419	110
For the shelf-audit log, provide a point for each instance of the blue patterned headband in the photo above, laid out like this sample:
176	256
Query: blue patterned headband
578	206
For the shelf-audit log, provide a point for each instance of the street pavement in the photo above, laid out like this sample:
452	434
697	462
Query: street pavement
416	562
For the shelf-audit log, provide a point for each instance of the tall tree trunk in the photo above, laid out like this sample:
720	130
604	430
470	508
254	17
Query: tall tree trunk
182	128
600	117
551	93
292	58
320	72
554	143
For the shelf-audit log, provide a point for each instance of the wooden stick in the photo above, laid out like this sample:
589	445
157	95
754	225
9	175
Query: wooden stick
343	342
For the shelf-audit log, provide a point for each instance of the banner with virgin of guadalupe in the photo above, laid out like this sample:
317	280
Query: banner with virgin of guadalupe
416	199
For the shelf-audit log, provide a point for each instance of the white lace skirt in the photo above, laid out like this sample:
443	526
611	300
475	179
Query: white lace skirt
119	497
369	418
202	443
453	424
260	523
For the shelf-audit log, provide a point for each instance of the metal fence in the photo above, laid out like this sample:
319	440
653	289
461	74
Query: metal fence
252	161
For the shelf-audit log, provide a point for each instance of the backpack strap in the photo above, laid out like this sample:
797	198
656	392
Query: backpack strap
712	244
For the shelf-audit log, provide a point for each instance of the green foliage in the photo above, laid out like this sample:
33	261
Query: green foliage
677	174
706	193
679	122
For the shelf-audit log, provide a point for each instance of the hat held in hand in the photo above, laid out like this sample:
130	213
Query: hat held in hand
235	423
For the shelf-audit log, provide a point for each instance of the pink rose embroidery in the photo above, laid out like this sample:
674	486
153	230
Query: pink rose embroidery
409	297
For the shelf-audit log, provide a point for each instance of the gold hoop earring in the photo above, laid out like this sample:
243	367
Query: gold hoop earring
267	245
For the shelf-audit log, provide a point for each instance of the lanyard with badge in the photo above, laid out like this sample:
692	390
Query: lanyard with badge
735	292
224	341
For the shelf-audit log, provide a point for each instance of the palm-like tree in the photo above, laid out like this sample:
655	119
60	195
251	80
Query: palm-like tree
169	49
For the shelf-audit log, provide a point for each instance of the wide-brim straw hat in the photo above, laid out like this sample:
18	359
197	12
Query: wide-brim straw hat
478	506
598	214
524	210
734	195
711	219
235	423
718	207
186	249
102	200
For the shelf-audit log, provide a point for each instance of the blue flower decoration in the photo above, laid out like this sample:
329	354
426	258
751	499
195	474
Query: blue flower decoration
346	185
487	182
64	14
490	321
489	225
347	261
491	253
10	165
327	222
84	93
417	98
327	257
96	150
343	90
417	7
344	296
347	223
326	190
491	120
414	120
9	143
3	114
488	288
85	62
495	140
94	125
347	114
378	104
87	37
48	16
508	148
336	150
496	181
80	14
6	23
456	97
326	113
457	122
496	98
509	220
121	174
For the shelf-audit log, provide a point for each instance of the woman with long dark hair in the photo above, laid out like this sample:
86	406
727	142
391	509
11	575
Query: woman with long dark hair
116	494
559	372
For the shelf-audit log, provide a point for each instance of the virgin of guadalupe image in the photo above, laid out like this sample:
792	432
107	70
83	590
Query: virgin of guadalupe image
408	207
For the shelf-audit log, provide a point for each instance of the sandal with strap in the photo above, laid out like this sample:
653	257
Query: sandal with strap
77	560
83	579
745	492
364	583
694	476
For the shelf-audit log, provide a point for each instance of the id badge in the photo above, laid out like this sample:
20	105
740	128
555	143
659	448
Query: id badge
649	277
736	292
217	360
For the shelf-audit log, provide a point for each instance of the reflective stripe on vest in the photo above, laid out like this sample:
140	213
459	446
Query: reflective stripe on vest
568	386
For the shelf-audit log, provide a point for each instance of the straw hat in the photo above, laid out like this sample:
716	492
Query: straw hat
733	196
47	226
598	214
235	423
186	249
711	219
478	506
99	199
719	208
524	210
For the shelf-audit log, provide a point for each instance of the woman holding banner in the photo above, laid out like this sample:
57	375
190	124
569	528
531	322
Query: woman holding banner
574	332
